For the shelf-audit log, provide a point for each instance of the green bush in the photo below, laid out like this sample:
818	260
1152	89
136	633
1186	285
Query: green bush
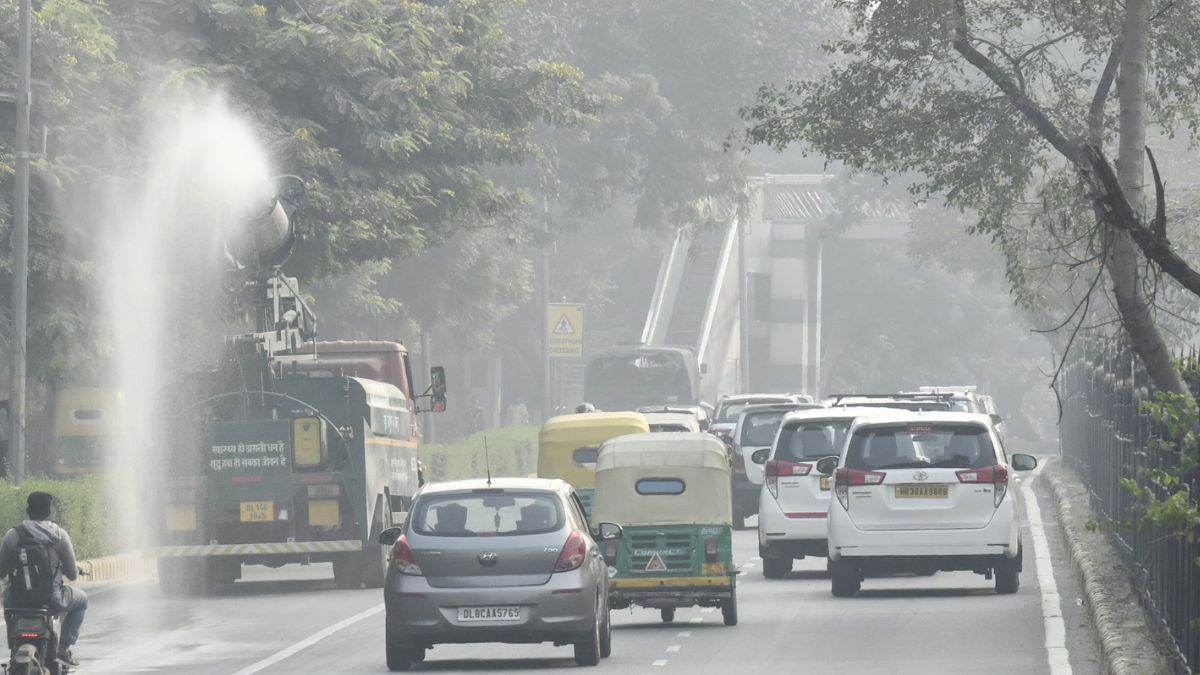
512	452
84	506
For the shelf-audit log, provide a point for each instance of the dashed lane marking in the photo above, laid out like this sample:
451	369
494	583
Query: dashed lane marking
659	662
685	633
309	641
708	610
696	619
1057	656
672	648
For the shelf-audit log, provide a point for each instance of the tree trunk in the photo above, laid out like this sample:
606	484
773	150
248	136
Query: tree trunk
1123	254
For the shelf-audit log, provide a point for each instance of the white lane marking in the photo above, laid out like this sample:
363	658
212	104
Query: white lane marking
309	641
1057	656
672	648
708	610
696	619
756	558
660	662
685	633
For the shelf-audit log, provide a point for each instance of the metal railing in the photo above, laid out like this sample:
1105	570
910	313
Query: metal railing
1108	437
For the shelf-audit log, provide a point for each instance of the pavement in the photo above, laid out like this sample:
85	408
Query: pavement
293	620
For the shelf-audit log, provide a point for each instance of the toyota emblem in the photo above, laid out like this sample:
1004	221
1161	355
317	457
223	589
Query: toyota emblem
920	475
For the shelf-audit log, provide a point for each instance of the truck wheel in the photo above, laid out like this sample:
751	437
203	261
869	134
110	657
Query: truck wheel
348	571
729	609
667	614
776	568
374	565
171	577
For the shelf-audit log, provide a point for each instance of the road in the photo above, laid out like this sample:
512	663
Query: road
293	620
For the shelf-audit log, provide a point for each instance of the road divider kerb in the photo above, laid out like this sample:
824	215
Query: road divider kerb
1128	642
113	568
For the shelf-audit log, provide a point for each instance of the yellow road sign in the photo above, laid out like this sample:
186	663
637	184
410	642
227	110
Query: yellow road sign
565	330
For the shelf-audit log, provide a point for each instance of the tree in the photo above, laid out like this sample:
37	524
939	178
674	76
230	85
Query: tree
989	103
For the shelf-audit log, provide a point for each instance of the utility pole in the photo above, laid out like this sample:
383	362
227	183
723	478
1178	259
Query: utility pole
544	298
20	244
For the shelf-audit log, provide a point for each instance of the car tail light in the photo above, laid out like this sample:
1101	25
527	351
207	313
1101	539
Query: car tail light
610	552
573	553
710	550
403	558
845	477
776	467
997	475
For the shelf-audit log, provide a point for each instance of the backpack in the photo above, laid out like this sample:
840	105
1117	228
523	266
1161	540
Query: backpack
33	570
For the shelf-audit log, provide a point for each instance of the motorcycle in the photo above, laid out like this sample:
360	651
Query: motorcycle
33	642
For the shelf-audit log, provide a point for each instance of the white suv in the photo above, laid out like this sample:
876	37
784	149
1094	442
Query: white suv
925	492
793	504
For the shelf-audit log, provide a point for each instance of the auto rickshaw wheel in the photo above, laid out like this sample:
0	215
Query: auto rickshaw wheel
729	608
668	614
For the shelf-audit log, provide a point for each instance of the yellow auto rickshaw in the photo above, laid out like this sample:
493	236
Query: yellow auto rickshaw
567	446
671	494
88	422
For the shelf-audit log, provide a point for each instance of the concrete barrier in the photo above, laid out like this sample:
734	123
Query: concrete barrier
124	567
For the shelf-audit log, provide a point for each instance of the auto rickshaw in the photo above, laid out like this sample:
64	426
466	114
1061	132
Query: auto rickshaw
88	421
670	492
567	446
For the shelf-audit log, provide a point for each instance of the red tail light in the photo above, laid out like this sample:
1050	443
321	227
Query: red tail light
403	558
573	553
739	462
710	550
997	475
777	467
610	552
845	477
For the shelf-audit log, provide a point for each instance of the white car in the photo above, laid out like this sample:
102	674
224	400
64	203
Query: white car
672	421
923	492
793	504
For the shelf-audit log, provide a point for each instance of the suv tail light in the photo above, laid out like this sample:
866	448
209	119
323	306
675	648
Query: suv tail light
997	475
403	558
573	553
845	477
710	550
775	468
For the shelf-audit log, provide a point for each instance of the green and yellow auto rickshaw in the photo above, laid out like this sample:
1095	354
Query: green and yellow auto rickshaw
567	446
671	494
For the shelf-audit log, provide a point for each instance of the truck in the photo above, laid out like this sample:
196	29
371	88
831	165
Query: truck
627	378
289	450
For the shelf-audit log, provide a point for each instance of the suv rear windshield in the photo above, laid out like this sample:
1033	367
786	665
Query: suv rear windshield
921	445
729	411
758	429
915	406
493	514
811	440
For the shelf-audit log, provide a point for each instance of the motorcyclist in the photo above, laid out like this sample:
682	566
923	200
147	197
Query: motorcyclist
69	601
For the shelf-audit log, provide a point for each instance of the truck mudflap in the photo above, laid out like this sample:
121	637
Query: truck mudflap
266	548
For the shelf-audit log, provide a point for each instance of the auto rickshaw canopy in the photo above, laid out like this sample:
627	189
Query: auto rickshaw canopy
663	479
568	444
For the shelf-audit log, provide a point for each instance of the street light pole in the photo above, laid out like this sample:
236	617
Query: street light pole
20	244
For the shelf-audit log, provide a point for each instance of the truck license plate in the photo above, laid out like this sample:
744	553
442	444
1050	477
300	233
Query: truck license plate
467	614
258	512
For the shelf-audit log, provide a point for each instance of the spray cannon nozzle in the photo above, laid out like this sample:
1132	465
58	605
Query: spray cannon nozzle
269	237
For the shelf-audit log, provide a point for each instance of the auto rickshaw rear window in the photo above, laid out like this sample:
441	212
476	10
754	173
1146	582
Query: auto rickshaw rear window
660	486
585	456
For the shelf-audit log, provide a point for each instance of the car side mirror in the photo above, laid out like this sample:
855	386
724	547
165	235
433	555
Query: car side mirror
997	418
760	456
389	536
1022	462
609	531
827	465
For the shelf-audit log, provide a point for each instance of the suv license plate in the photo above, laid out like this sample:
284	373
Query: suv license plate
468	614
923	491
258	512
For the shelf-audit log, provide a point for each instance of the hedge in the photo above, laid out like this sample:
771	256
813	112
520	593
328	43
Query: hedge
512	451
84	506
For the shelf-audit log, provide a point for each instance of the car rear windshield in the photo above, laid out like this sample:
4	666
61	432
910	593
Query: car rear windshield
489	514
811	440
758	429
950	446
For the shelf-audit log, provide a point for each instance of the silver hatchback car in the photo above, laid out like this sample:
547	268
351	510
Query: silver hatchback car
501	560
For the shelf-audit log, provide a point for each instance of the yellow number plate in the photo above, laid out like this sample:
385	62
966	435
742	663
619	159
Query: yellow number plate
824	482
922	491
257	512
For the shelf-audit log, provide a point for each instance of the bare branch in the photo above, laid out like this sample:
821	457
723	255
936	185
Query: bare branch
1103	87
1048	43
1160	203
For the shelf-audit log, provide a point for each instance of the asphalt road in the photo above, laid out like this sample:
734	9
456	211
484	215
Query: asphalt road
293	620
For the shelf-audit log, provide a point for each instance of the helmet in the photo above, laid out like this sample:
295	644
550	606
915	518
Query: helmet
585	407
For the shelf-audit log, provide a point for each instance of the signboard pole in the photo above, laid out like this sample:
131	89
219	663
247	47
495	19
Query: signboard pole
547	404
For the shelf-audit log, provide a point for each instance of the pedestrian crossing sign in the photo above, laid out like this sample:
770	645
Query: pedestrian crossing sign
565	330
656	563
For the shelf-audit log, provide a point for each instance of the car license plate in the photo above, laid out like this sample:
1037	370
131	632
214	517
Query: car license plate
467	614
824	482
258	512
922	491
